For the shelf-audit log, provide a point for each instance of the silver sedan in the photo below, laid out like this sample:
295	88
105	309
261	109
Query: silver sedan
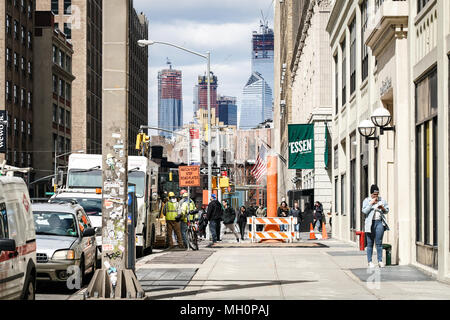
66	245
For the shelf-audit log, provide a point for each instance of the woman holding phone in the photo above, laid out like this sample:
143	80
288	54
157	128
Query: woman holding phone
374	207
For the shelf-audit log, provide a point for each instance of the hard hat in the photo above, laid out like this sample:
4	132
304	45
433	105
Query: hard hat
185	195
182	192
171	194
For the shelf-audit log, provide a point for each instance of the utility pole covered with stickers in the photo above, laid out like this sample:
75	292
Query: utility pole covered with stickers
114	279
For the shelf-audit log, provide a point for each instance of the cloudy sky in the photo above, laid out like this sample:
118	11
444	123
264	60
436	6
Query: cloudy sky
223	27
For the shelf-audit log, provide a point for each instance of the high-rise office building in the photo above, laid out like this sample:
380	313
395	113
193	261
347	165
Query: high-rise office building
256	104
227	109
52	124
170	101
16	76
81	21
263	53
202	97
138	78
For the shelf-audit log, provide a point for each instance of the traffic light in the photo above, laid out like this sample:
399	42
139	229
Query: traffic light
170	176
214	182
139	139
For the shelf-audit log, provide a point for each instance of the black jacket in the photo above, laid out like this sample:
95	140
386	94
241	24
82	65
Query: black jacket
242	216
318	214
280	212
229	215
215	210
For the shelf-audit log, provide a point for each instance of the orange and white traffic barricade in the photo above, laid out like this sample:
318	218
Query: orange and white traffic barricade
257	236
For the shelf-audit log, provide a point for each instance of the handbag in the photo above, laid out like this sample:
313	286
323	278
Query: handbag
384	222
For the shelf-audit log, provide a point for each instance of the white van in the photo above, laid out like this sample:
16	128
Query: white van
17	241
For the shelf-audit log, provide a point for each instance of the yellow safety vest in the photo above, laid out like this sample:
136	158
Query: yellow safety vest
184	210
171	210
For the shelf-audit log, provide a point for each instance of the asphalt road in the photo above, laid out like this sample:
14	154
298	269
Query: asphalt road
47	290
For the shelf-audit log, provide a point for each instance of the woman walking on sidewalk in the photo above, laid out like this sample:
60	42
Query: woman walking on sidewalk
242	221
374	207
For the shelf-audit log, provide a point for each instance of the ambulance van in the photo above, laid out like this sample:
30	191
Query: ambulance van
17	241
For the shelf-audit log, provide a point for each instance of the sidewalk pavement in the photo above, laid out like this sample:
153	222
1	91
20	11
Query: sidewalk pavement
337	270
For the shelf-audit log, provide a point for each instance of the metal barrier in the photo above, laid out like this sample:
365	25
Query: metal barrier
288	235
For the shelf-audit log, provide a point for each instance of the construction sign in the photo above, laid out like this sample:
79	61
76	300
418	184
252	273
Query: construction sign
189	176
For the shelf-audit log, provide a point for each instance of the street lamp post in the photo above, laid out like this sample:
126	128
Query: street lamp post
144	43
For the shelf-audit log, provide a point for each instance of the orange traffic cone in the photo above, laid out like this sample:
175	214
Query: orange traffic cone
324	232
312	235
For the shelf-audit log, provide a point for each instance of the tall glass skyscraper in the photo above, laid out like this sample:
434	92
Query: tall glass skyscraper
170	101
263	53
227	110
256	104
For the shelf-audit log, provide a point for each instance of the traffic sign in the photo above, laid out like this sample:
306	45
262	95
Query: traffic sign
189	176
214	171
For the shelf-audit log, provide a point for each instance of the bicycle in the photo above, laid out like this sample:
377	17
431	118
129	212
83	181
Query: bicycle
192	231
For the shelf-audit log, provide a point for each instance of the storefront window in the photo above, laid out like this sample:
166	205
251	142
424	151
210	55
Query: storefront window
426	159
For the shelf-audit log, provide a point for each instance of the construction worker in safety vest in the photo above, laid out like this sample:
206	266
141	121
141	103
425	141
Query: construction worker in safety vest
170	211
184	211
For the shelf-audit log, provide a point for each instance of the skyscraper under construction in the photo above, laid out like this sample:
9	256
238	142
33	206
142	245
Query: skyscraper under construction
170	100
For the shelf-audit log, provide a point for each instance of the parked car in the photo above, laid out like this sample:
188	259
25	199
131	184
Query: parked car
17	241
65	238
91	201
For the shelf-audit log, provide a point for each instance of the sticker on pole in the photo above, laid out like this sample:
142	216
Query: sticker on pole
189	176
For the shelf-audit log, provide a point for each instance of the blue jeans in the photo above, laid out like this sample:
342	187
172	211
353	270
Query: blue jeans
183	227
375	236
213	226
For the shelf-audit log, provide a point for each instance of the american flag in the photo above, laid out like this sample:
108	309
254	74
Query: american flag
260	168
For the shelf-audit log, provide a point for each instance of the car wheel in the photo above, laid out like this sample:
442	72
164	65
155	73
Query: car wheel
30	291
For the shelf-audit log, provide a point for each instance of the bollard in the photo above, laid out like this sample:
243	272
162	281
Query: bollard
362	239
388	249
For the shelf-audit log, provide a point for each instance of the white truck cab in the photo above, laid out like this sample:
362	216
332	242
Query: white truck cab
17	241
85	172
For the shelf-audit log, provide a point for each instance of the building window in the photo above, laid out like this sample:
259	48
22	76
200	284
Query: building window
8	90
55	84
30	95
336	84
68	92
62	88
16	98
16	63
22	33
55	111
68	30
29	129
426	159
353	181
8	57
68	119
61	116
67	6
55	6
8	24
29	68
16	29
343	202
30	39
364	49
22	97
421	4
344	73
55	54
352	56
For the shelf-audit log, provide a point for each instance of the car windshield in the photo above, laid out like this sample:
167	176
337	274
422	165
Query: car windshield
55	223
92	207
137	178
89	178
